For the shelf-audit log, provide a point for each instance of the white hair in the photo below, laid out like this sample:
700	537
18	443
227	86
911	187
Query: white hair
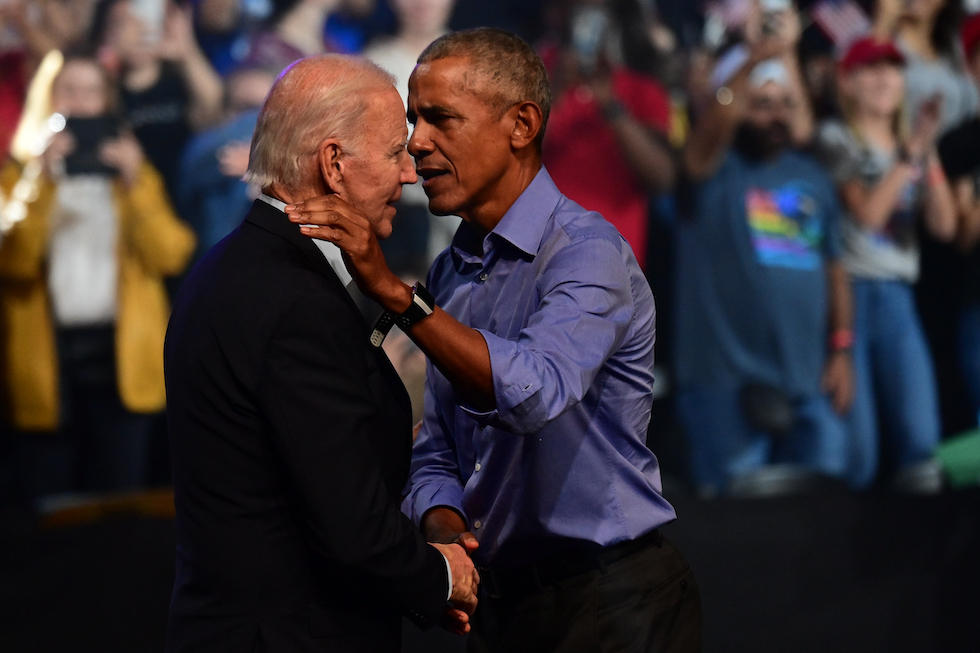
312	100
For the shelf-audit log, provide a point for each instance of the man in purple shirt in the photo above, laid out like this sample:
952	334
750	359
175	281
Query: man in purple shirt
539	331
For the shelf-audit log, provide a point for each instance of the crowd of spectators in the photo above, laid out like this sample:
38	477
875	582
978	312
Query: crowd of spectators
801	180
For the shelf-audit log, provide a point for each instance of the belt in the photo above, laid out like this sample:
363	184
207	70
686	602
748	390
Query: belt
521	581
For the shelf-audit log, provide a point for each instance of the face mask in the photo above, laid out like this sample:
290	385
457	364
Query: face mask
761	143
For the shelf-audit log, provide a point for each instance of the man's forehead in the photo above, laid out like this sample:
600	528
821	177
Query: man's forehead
384	103
454	74
385	115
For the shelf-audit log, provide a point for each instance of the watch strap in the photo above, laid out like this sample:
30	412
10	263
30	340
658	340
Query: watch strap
381	328
423	304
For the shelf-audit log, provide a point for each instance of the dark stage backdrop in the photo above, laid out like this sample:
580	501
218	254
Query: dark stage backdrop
791	575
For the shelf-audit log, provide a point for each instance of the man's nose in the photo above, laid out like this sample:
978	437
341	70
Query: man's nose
408	175
418	144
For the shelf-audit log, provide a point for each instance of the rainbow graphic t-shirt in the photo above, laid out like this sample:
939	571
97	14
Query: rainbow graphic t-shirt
785	227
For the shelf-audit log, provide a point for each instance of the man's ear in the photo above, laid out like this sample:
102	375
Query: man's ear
332	163
528	119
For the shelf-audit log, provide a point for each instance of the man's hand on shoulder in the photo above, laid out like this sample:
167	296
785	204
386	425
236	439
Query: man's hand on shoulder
332	219
460	352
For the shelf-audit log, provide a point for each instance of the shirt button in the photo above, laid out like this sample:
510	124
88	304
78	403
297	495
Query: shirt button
477	524
477	467
484	276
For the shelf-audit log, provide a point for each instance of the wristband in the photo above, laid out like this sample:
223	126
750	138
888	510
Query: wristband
841	340
423	304
936	175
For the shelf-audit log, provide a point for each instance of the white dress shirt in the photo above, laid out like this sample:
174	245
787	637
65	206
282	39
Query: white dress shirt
330	251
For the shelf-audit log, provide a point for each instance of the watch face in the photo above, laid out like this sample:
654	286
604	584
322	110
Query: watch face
420	291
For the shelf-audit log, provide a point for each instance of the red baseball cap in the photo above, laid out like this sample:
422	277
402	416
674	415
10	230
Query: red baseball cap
970	35
869	50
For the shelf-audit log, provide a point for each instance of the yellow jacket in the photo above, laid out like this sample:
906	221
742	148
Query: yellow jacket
153	243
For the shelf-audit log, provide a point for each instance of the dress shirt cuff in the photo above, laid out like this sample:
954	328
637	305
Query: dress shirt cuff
432	495
516	389
483	418
449	576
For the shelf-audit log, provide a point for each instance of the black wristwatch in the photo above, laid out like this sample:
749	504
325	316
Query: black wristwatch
423	304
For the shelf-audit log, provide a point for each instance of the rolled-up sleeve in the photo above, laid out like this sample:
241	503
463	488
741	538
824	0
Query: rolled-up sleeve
583	317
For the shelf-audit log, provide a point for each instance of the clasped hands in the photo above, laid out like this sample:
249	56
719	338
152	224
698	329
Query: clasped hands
446	531
466	579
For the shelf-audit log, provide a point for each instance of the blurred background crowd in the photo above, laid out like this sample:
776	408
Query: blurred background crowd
799	182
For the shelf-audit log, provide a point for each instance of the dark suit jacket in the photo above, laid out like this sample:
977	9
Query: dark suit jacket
290	437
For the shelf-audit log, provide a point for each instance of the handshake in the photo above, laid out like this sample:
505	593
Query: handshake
446	531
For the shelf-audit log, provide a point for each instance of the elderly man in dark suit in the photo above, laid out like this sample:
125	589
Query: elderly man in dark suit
290	433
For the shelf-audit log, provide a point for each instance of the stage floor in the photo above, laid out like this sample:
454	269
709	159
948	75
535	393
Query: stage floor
833	572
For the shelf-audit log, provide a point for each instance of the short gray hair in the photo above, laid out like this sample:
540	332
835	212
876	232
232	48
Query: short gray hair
513	70
312	100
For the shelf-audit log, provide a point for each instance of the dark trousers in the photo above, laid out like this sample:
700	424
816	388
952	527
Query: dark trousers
99	445
645	603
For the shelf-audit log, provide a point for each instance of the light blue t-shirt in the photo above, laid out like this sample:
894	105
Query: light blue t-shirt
752	289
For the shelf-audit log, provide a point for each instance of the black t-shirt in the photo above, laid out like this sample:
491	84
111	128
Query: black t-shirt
959	151
158	116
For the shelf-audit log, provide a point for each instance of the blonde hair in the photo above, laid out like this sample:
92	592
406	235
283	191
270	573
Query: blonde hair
849	110
312	100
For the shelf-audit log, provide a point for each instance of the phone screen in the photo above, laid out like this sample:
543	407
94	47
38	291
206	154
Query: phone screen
589	28
774	5
89	135
152	13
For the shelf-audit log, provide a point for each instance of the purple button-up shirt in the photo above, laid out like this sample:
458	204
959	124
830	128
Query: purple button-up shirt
568	318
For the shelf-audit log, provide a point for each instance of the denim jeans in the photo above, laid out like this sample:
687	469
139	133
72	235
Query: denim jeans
894	378
724	446
969	348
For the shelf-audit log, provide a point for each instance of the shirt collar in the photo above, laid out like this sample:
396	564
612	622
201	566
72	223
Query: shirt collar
329	250
273	202
524	222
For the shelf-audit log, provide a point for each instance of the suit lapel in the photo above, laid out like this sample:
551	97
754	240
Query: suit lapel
274	221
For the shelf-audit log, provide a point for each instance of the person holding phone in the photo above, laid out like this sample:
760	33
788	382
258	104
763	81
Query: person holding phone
83	309
925	31
607	144
763	302
889	177
168	90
